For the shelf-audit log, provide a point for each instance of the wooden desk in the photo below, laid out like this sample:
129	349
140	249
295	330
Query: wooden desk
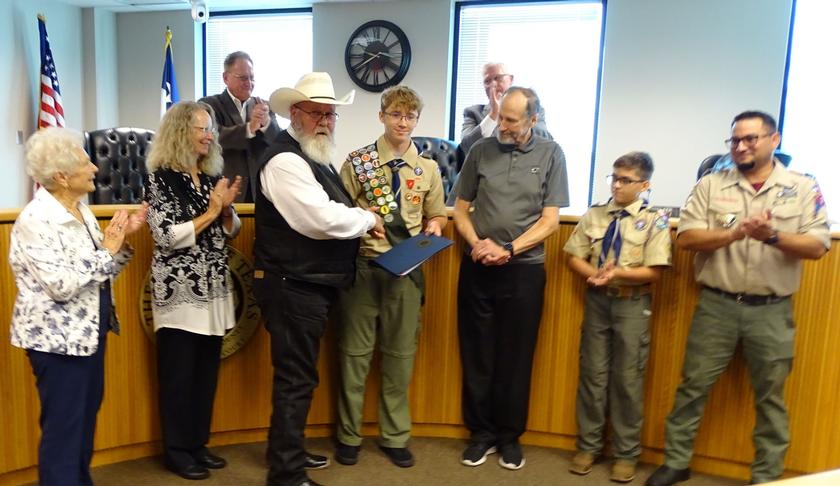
128	421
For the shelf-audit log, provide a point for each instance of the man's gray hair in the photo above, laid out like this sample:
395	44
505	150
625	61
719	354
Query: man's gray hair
231	59
52	151
532	106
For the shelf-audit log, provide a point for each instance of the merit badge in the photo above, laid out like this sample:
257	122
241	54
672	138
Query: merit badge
640	224
359	169
389	197
380	201
386	190
379	171
369	195
727	220
374	154
362	178
365	157
418	170
383	180
409	183
415	199
376	163
353	154
388	218
371	148
368	166
370	174
366	186
377	192
384	210
393	206
374	183
356	160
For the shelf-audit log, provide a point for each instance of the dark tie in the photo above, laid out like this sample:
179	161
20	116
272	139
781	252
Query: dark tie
395	178
612	238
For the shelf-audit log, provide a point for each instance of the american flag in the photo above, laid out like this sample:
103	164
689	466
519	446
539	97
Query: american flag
51	112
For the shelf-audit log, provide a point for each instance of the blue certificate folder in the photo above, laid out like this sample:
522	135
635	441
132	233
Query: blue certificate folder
411	253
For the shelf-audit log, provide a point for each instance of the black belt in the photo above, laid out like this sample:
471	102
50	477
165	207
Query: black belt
749	299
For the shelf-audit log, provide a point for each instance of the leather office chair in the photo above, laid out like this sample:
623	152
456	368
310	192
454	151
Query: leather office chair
714	163
446	154
120	154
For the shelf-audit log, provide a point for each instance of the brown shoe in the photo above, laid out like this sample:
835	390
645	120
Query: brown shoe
623	471
582	463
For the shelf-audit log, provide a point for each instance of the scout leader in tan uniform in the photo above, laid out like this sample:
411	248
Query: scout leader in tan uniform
615	337
405	188
751	226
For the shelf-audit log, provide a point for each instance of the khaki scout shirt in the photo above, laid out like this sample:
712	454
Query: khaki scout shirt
645	236
421	193
723	199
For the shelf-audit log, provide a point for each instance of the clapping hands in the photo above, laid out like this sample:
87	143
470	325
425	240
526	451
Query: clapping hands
121	225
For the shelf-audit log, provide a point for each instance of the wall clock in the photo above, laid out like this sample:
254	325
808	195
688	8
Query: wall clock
377	55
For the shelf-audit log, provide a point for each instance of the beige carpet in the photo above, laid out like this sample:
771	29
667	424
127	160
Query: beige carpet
437	465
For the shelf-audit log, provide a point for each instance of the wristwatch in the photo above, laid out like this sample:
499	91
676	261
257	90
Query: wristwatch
772	239
509	247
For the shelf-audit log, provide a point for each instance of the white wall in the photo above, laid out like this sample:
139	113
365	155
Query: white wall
19	87
675	73
140	51
426	23
99	51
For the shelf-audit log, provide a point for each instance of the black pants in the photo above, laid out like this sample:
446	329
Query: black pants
70	389
188	368
499	311
295	316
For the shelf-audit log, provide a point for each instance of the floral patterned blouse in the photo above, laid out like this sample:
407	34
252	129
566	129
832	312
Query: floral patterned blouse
191	285
59	265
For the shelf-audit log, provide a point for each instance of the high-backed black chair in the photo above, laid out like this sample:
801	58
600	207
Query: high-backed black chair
709	163
120	154
446	154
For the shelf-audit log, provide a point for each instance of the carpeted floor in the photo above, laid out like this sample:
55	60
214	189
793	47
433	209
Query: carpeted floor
437	465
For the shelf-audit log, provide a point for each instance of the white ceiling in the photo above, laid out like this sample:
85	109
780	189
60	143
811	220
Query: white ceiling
153	5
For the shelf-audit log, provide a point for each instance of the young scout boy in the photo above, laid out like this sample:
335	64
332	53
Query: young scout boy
388	176
620	248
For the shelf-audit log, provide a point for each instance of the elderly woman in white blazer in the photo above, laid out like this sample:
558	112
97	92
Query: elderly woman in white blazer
64	266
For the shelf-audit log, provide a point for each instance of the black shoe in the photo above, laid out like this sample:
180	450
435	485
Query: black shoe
191	471
477	453
347	454
314	461
210	461
511	456
666	476
400	456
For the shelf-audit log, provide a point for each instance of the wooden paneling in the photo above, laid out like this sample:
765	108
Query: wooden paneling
128	422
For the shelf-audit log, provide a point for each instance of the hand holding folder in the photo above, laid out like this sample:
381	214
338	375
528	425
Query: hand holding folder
411	253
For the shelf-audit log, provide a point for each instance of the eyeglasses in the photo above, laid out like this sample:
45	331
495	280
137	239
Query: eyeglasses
497	78
207	130
621	181
396	116
317	116
749	140
244	77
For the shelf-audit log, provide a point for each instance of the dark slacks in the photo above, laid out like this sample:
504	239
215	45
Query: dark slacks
499	311
188	368
70	389
295	316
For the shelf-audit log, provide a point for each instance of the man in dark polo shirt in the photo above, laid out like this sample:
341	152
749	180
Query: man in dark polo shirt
307	238
516	183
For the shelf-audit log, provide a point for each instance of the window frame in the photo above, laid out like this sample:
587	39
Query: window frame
455	118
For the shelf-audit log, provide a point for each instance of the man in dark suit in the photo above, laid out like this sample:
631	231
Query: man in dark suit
481	120
246	126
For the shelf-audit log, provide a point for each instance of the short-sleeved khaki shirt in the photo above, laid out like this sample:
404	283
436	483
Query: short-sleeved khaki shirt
421	193
645	236
723	199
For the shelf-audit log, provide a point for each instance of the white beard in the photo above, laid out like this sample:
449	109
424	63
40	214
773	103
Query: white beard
319	148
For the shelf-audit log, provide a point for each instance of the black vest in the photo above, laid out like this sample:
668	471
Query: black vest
280	250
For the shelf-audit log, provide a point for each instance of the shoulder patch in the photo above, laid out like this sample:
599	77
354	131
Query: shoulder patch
662	220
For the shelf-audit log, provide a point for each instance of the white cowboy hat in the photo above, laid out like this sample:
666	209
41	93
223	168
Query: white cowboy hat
317	87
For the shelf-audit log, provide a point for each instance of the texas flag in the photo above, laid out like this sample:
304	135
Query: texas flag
168	86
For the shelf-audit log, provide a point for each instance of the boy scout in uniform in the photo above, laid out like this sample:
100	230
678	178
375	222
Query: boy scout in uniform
751	227
620	248
390	177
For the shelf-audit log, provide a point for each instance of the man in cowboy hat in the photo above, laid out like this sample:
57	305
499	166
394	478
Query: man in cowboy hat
307	238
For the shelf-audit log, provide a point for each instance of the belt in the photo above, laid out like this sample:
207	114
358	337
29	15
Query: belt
749	299
624	292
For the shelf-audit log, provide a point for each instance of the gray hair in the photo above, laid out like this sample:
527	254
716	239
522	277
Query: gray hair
173	145
231	59
51	151
532	107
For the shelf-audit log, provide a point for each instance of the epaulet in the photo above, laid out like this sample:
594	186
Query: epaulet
600	203
802	174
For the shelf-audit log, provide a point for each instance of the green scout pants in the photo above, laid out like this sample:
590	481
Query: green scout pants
766	333
614	347
382	306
